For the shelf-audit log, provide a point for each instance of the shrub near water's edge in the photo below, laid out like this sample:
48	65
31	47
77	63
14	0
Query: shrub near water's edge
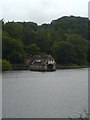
6	65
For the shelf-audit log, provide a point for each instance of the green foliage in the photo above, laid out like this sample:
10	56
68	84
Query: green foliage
6	65
73	24
67	53
32	49
14	29
80	47
66	39
12	49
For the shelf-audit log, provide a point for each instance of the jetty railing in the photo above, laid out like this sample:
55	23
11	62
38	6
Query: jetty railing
20	67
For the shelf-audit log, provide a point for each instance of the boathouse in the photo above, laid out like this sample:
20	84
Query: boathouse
43	63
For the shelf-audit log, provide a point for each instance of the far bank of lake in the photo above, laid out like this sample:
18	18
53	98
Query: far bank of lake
58	66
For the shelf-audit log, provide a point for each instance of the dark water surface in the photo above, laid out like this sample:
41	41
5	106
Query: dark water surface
59	94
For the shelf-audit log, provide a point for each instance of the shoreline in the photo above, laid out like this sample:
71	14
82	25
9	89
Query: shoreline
71	66
58	66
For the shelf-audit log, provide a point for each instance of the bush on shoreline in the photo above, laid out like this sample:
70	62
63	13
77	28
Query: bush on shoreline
6	65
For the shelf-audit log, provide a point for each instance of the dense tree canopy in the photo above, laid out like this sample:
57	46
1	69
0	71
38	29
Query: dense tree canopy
66	39
12	49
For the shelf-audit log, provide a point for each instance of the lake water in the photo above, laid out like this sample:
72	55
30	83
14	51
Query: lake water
59	94
0	95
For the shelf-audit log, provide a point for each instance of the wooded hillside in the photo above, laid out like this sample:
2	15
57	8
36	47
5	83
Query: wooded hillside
66	39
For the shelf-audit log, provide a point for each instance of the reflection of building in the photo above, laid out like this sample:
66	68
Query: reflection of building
43	63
